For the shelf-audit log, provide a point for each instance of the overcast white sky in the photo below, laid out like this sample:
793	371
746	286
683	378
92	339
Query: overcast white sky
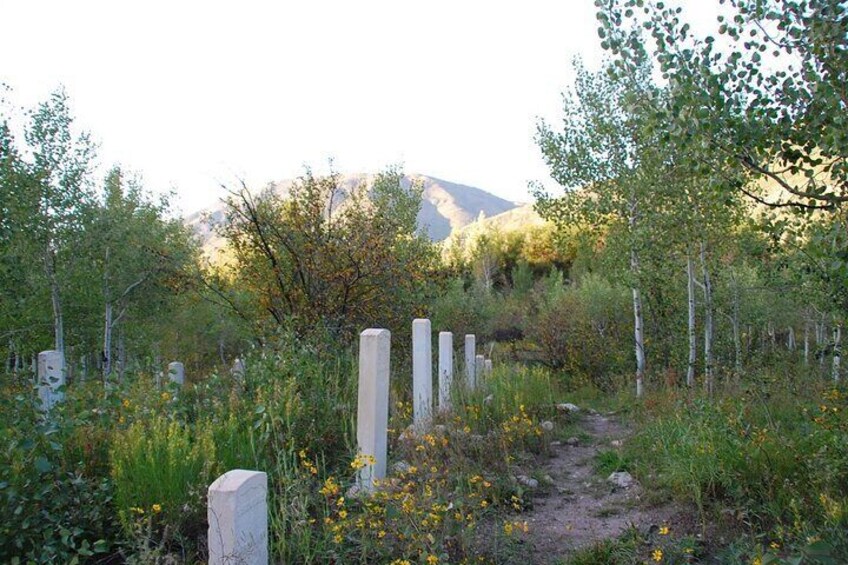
194	93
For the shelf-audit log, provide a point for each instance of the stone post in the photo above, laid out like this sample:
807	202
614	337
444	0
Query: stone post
176	372
238	369
422	372
445	369
51	376
470	352
237	512
479	367
488	367
372	416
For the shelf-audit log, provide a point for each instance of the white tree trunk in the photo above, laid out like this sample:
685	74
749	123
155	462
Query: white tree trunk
790	339
56	300
693	342
806	342
837	349
734	320
107	340
638	322
639	341
708	320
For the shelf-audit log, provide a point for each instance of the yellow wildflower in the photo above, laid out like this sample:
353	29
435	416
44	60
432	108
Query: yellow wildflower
157	508
330	488
664	530
657	555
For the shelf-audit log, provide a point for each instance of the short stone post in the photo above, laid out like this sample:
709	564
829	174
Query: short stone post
176	372
237	512
445	369
238	369
487	367
422	372
51	376
470	352
372	416
479	366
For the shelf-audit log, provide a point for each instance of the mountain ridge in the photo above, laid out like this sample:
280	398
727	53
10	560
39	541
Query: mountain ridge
446	206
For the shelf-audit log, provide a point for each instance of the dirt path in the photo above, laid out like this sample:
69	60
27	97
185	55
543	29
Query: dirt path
580	507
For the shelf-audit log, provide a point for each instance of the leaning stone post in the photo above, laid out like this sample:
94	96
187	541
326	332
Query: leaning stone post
445	369
372	416
176	372
51	376
470	352
237	512
422	372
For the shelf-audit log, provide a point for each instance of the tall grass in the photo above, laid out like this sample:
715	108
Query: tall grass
164	464
769	450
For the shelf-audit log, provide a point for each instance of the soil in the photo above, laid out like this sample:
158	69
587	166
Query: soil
578	507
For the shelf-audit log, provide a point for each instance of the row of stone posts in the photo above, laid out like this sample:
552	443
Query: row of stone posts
373	402
50	375
237	500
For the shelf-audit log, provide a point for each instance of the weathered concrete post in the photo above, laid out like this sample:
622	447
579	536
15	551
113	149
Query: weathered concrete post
487	367
237	512
51	376
372	416
238	369
422	372
479	367
445	369
176	372
470	352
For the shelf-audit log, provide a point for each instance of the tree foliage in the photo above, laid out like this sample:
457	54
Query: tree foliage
339	258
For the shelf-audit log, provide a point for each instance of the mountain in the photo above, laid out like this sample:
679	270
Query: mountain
446	207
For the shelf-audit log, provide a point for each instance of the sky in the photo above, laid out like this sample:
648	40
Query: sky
196	94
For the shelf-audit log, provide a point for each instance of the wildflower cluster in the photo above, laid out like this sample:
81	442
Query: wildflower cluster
441	486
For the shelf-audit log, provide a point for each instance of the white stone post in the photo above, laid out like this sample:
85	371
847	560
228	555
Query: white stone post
237	512
479	367
470	352
422	372
51	376
445	369
238	369
176	372
372	416
487	367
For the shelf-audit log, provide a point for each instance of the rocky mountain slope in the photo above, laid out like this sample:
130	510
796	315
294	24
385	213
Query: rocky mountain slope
447	207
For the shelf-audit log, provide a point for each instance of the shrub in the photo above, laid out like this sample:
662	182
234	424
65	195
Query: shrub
584	330
55	506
